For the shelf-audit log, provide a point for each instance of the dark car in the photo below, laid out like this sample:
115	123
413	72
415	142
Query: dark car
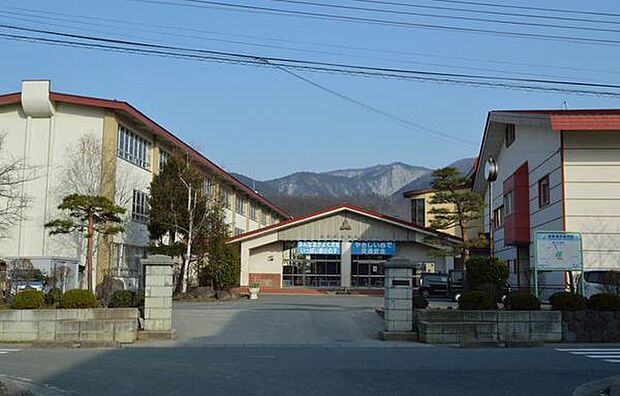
455	286
432	284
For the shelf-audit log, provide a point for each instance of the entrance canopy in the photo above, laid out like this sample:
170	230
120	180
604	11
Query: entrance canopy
338	247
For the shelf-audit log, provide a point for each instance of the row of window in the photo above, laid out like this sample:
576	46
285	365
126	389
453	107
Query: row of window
544	199
137	150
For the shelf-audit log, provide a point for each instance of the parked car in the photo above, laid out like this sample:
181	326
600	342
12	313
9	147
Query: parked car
455	286
600	281
432	283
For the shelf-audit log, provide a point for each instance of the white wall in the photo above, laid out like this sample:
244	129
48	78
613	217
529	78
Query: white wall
592	185
44	143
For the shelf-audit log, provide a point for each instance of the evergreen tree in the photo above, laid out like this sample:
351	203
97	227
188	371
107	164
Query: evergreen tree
89	214
454	204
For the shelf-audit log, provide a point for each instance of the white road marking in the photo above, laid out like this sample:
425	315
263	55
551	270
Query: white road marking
610	355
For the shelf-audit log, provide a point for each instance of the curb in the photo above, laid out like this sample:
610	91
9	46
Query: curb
595	387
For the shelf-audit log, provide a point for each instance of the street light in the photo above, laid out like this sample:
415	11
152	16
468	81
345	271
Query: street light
490	175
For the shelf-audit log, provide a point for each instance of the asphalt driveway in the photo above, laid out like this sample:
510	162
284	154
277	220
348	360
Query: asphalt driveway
280	319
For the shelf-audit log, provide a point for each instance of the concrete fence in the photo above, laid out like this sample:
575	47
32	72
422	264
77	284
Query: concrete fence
95	325
456	326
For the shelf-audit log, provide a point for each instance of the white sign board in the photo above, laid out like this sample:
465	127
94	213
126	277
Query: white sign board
558	251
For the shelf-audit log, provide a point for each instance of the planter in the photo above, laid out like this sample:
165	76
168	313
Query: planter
254	292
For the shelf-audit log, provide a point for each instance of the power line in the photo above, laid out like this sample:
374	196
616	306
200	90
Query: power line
486	12
577	88
558	10
244	43
399	120
293	61
383	22
175	30
452	17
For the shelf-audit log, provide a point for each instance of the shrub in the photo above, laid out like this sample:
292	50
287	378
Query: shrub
138	300
53	297
604	302
479	272
122	299
419	302
78	298
522	301
223	269
565	301
28	299
476	300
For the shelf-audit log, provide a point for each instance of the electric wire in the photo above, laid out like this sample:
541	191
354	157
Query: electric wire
406	73
384	22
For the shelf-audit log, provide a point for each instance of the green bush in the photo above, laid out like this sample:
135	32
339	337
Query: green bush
604	302
474	300
223	269
122	299
53	297
419	302
565	301
138	301
479	272
78	298
28	299
522	301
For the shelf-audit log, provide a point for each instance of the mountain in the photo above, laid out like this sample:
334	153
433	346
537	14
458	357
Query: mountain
378	187
383	180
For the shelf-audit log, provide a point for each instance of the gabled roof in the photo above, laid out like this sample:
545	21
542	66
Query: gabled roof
333	210
556	119
136	115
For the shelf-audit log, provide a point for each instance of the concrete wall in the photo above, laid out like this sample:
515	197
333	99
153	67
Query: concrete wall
69	325
456	326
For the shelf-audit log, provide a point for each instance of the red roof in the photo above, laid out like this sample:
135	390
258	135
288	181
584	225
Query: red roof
338	208
157	129
578	120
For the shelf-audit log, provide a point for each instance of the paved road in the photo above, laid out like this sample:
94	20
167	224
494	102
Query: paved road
299	346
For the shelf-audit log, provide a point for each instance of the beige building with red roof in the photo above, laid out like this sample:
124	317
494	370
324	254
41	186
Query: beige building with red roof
44	129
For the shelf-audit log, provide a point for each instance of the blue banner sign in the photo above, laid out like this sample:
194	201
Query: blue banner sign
374	248
318	247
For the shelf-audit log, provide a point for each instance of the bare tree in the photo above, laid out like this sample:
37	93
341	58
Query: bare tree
14	174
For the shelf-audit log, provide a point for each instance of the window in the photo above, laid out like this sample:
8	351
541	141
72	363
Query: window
498	217
509	203
510	134
238	231
133	148
263	217
544	194
225	196
240	207
140	208
252	211
208	187
418	211
163	159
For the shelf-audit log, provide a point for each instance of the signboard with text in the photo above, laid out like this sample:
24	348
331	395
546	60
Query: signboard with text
558	251
318	247
382	248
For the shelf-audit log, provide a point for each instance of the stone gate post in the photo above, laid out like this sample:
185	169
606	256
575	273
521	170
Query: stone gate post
398	300
158	296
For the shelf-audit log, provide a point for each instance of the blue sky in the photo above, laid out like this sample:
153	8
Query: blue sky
264	123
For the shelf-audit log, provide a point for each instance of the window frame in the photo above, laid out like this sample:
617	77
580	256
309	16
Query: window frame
140	207
240	209
415	211
133	148
509	203
510	134
544	185
498	217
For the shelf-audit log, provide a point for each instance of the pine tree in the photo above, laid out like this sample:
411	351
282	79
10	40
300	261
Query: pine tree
88	214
